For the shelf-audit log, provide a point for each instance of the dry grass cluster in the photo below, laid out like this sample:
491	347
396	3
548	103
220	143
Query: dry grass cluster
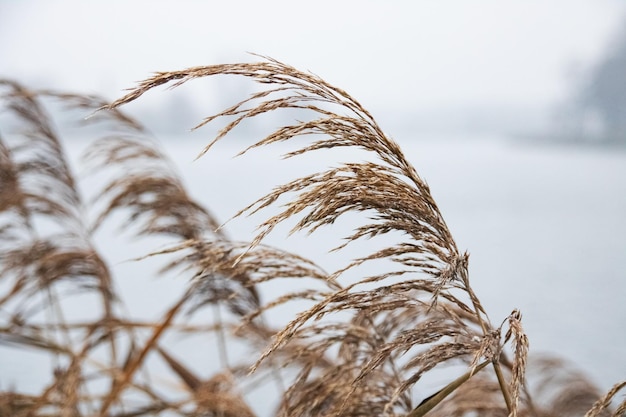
362	343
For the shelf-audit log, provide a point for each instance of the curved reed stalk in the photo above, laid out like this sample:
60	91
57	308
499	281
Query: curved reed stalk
361	343
404	322
421	314
37	183
37	261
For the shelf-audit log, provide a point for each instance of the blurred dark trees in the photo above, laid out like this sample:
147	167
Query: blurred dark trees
606	91
598	110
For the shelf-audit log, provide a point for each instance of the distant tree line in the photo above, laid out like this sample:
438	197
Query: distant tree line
598	110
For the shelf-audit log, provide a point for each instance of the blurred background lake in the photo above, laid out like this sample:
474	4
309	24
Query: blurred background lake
514	113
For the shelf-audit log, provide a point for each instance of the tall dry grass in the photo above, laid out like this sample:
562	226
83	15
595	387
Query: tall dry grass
362	343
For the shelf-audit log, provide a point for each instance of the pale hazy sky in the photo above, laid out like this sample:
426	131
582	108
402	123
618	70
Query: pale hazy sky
408	53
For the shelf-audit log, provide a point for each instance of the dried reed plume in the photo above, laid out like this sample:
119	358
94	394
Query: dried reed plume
362	342
400	329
